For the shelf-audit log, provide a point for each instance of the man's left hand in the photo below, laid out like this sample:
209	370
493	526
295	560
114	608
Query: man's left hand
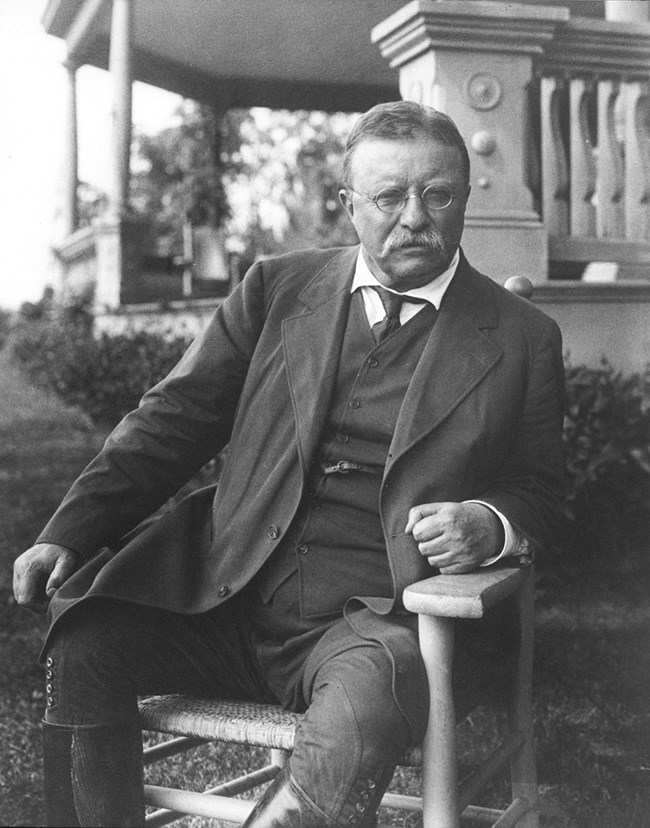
455	537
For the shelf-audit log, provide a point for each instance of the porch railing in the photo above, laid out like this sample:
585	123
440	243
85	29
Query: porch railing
593	140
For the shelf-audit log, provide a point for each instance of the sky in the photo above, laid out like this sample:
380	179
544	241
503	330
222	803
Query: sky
32	126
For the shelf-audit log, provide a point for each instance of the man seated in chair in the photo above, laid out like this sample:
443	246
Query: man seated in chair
390	413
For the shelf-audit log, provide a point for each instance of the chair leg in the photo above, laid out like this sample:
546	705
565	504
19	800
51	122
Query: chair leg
523	767
439	755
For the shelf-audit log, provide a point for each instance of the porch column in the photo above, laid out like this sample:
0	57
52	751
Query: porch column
474	61
70	160
113	231
121	73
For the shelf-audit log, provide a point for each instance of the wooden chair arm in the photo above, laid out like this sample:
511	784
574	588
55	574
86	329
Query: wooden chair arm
463	596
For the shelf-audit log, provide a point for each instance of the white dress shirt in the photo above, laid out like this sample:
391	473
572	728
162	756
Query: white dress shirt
432	292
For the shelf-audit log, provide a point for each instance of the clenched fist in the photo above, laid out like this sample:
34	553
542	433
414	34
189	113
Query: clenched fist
455	537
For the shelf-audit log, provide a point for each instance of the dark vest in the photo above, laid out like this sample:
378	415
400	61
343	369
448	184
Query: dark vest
335	546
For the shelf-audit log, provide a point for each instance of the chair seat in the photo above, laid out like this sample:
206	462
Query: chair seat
244	723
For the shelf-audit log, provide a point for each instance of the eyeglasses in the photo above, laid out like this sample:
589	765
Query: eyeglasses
392	199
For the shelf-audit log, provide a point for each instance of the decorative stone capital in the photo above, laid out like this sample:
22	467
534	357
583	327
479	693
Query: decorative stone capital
586	46
467	26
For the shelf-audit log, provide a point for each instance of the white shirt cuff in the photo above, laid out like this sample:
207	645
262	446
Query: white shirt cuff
513	544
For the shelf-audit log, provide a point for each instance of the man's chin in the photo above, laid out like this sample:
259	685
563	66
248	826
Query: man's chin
411	267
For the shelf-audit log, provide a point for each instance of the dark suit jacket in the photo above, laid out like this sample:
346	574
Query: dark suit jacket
481	419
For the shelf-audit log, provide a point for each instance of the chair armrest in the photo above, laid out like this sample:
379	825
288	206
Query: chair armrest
464	596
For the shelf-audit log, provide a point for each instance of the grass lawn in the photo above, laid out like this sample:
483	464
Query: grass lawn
592	694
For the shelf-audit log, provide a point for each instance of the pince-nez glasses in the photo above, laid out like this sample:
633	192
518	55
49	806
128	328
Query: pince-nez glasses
393	199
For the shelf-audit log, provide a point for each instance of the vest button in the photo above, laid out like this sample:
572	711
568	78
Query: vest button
303	549
273	531
342	438
223	591
372	362
354	403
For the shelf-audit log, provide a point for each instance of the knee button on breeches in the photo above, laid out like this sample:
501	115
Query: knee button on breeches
49	675
361	805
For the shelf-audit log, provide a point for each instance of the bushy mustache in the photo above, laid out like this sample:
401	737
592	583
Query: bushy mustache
402	238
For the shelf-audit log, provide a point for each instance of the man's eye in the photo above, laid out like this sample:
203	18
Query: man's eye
437	198
389	198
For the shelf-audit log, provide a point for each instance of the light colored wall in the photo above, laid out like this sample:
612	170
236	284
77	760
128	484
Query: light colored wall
602	325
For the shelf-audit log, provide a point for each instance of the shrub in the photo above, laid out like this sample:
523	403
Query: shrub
5	326
607	444
105	375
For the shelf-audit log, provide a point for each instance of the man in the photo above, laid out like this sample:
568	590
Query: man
372	440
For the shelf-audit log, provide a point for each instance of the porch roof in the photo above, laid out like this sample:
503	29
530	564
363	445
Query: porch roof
307	54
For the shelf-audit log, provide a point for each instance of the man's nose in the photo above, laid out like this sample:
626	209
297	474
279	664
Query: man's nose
414	214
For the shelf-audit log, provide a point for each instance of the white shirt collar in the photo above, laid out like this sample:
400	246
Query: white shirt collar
432	292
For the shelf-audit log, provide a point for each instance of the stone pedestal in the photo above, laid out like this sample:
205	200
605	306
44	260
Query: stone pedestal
474	61
119	246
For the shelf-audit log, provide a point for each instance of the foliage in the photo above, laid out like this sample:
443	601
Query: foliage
179	174
105	375
6	318
268	179
607	443
283	182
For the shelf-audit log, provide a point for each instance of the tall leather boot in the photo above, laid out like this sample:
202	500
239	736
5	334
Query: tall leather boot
93	776
60	811
285	805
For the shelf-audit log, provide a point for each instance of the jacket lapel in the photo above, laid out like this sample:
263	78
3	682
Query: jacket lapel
456	357
312	345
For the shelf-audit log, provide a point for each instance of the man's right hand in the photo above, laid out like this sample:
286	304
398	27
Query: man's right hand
40	571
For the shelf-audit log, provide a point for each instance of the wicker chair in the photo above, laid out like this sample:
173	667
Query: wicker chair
438	601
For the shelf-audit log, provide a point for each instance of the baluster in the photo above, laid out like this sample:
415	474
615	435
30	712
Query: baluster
609	193
555	173
583	165
637	160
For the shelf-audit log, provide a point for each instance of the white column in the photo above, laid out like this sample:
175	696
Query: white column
70	161
121	73
111	232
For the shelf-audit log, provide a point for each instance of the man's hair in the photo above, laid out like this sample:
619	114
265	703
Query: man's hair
399	121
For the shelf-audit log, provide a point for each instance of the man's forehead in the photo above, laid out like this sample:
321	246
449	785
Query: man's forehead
389	152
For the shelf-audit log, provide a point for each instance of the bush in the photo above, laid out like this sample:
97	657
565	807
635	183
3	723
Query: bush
105	375
607	443
5	326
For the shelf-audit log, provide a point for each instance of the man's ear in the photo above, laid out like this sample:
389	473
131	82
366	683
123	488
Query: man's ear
346	201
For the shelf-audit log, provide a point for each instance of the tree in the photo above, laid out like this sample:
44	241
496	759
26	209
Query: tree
269	179
179	174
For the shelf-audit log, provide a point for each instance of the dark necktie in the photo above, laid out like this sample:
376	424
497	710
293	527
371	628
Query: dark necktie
392	303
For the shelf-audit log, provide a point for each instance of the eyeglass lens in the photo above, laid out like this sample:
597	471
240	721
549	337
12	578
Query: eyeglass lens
393	199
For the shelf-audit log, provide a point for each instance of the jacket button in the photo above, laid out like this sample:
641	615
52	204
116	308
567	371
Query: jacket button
303	549
273	531
223	591
372	362
354	403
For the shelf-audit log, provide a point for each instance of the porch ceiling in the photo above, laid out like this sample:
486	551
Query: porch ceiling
278	53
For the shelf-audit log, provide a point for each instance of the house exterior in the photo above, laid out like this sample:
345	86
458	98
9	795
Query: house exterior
553	99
